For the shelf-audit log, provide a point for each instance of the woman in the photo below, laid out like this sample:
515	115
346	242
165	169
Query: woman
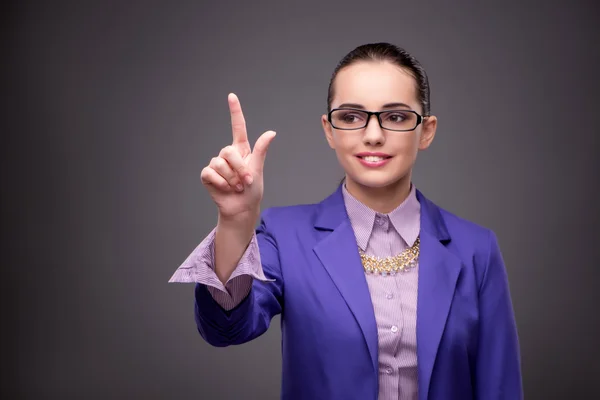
383	294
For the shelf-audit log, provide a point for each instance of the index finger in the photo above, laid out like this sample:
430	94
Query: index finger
238	123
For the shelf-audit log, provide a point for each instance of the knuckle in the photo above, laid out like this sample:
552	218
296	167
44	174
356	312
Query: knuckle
217	162
226	151
206	176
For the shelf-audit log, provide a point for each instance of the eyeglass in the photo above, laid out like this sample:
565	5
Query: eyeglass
392	120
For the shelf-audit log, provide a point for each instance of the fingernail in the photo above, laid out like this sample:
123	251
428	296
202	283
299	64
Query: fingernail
249	179
239	187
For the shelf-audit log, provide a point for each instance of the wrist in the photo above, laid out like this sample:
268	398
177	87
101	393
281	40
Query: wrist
242	221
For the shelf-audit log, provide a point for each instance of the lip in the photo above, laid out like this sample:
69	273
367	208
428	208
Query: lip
377	164
367	154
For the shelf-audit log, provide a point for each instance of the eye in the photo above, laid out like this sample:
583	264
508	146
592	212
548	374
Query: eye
350	117
395	117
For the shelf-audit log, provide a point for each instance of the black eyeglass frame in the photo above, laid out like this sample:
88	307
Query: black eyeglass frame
420	119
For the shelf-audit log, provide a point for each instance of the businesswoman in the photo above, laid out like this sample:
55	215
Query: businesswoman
382	294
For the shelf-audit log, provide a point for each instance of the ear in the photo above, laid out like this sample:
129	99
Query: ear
328	131
427	132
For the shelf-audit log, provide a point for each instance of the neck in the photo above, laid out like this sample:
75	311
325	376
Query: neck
381	199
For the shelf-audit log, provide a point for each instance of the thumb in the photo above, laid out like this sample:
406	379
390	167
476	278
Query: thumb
260	149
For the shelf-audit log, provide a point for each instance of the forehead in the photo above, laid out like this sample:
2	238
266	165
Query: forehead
374	83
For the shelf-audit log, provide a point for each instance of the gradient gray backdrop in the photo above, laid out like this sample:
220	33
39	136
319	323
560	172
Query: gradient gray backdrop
111	110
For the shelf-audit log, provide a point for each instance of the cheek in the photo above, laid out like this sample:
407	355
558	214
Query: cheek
405	145
344	143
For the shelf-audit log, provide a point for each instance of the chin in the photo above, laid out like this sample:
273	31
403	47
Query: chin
376	181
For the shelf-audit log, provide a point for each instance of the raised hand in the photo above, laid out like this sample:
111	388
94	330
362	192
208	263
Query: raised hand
234	178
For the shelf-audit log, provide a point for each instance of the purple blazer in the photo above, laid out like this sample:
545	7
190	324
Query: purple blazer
467	345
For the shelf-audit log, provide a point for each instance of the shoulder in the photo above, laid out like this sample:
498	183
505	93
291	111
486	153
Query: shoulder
470	241
330	211
293	215
449	225
462	229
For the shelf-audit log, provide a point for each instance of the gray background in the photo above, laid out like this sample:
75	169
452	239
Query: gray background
111	109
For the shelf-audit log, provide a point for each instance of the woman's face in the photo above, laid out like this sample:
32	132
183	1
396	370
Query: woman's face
377	86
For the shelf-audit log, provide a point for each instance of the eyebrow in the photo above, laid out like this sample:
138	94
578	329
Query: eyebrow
360	106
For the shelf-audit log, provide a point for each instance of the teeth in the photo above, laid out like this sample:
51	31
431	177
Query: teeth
373	158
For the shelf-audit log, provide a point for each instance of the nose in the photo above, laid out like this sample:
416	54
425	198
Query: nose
373	134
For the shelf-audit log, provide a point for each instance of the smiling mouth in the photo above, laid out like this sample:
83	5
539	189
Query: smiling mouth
374	158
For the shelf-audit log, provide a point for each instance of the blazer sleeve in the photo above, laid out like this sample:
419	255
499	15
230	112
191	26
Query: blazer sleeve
498	368
252	317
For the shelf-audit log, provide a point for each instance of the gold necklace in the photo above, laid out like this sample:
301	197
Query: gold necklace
391	265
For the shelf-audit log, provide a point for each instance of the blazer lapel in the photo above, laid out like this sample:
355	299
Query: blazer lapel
439	270
338	252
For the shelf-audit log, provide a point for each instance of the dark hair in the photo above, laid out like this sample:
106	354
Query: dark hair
393	54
